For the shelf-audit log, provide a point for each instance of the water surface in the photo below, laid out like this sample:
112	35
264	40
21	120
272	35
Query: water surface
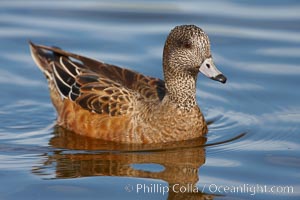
253	143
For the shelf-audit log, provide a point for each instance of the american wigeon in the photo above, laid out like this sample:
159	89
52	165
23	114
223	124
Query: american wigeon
104	101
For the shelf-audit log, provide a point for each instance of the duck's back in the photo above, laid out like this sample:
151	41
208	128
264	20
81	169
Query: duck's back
94	98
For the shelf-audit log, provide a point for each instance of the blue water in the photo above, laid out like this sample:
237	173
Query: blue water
253	146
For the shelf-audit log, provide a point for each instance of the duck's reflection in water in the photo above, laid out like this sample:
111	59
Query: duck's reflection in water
76	156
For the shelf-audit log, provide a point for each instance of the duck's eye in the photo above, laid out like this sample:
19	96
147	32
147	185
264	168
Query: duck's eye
208	66
185	44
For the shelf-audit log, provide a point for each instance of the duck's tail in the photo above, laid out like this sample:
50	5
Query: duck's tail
43	59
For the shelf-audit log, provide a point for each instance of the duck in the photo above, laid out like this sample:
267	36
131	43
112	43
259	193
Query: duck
107	102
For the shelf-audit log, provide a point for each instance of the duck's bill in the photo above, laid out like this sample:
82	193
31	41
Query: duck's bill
209	69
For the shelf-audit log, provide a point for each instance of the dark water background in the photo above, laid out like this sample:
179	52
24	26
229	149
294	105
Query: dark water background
255	118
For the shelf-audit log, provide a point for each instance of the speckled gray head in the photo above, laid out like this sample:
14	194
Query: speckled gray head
187	49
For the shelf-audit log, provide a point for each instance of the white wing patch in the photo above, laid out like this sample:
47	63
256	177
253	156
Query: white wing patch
64	76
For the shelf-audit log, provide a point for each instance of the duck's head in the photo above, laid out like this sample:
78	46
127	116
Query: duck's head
187	51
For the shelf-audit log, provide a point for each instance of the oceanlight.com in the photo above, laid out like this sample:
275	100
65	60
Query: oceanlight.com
157	188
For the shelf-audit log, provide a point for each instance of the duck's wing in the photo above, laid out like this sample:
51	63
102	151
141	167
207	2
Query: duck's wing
95	86
101	95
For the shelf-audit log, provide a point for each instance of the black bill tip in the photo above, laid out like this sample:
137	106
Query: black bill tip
221	78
